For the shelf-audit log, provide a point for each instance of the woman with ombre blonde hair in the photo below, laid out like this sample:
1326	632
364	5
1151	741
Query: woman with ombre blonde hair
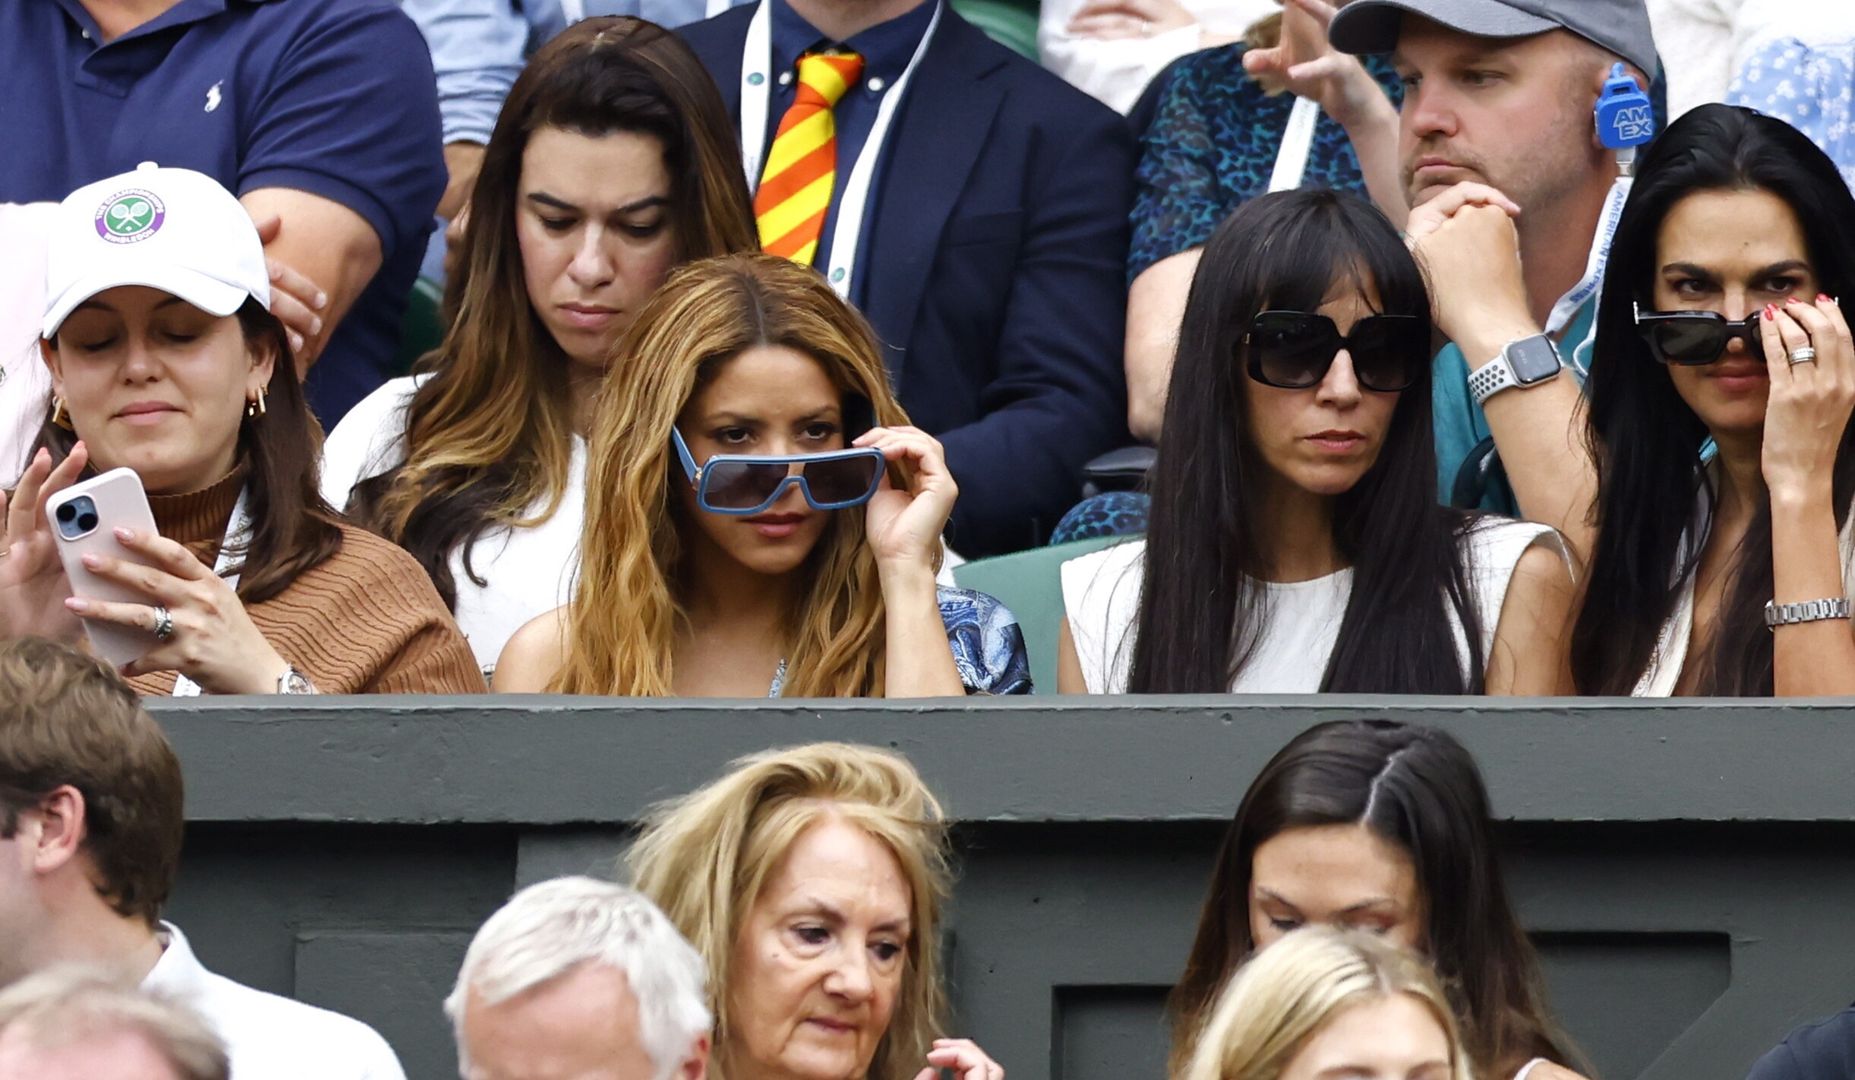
813	879
614	160
760	518
1324	1002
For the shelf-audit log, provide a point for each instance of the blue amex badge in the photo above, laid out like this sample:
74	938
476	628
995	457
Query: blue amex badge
1625	116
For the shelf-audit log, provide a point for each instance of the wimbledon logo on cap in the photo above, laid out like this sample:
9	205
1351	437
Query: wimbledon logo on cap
130	217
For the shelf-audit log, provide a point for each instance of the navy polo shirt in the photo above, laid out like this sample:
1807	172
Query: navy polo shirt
332	97
886	49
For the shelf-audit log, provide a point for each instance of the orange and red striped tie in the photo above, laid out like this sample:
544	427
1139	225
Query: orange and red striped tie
801	167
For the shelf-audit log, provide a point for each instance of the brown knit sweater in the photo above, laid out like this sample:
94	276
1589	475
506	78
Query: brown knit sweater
366	621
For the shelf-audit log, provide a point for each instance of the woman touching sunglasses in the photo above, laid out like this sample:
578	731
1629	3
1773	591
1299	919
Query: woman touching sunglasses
1295	544
760	520
1719	415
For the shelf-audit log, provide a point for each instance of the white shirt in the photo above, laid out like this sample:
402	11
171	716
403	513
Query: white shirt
527	572
1117	71
268	1037
25	384
1301	624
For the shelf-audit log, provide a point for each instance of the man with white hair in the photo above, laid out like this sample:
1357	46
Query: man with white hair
580	979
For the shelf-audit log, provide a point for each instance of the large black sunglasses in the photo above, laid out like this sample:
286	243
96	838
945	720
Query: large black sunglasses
1294	349
1693	338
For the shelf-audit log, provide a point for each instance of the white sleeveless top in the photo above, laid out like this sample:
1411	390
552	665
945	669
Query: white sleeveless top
1663	674
1301	624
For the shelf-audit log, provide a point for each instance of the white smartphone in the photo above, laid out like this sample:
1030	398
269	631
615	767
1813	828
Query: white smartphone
83	519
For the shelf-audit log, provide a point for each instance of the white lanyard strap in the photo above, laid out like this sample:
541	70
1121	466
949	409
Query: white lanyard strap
1291	162
853	203
1567	308
227	566
573	10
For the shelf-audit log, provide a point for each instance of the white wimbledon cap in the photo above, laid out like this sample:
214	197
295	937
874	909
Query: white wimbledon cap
170	229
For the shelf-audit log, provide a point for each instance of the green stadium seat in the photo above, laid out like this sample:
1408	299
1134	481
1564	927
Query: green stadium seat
422	329
1027	582
1011	24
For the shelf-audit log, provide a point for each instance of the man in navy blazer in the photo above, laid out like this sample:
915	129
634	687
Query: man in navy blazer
992	257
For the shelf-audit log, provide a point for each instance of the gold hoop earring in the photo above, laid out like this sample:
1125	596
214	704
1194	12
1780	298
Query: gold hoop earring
59	419
256	408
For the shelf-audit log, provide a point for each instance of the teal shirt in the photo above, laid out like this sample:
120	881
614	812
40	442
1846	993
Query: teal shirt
1460	425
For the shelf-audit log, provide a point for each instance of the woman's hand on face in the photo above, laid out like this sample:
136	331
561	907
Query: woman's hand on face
1810	402
964	1057
1113	20
905	527
32	581
1312	68
214	641
1466	240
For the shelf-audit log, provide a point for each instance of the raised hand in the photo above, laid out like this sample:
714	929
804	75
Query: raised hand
1308	66
964	1058
1466	240
1810	401
212	639
32	582
905	526
296	301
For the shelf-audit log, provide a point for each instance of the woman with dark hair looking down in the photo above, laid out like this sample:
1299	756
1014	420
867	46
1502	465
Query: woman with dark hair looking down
613	161
1295	544
1384	827
1719	416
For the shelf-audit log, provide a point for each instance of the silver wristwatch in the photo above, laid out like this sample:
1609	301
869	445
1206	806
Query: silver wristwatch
1526	362
1777	614
293	681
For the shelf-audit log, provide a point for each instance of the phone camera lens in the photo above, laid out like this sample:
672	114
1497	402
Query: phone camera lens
67	513
87	522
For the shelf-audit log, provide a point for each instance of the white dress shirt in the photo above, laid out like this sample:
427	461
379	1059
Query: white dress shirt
269	1037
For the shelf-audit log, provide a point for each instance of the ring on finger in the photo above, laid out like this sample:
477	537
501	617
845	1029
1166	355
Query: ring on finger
1802	355
164	624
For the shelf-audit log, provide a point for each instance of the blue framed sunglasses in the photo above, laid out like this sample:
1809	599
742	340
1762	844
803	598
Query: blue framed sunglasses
745	484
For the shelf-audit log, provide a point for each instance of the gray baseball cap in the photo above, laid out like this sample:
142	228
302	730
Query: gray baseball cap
1621	26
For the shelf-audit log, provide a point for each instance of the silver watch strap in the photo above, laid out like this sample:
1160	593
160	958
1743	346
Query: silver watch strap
1491	378
1777	615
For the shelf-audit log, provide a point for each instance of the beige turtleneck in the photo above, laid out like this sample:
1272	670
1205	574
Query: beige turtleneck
365	621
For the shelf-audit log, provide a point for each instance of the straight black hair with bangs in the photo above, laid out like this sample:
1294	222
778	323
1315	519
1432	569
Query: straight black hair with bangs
1646	440
1201	604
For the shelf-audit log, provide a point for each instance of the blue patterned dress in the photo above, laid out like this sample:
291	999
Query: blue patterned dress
1810	87
1212	147
988	646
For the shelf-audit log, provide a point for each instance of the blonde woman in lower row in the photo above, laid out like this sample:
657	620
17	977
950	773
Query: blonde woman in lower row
812	880
1324	1002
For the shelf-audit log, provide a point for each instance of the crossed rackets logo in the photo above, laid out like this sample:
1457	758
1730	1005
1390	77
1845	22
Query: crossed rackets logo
130	216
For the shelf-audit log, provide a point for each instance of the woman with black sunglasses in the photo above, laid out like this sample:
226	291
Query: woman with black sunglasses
1719	415
1295	542
760	520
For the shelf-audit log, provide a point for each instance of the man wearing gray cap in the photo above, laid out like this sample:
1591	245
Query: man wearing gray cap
1512	194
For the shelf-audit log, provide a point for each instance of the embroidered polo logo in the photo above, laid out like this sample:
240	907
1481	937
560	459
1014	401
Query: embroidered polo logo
130	217
212	95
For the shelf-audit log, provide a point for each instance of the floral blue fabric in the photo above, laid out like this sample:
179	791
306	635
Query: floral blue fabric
988	645
1810	87
1212	146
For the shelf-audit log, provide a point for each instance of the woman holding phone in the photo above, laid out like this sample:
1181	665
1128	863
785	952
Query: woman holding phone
760	520
1295	544
166	360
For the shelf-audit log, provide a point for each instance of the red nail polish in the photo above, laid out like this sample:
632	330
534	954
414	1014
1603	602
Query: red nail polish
1771	311
1823	298
1791	300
